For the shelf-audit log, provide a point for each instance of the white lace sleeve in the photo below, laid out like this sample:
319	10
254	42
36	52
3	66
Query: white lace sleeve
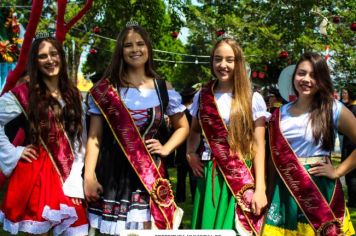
9	154
195	105
175	103
73	186
259	108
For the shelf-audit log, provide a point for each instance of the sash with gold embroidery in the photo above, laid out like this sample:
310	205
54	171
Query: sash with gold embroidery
236	173
162	205
56	143
325	218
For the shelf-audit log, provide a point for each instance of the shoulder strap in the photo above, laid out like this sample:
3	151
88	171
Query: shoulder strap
162	88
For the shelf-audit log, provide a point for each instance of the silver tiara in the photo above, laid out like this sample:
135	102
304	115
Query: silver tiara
131	23
43	34
225	36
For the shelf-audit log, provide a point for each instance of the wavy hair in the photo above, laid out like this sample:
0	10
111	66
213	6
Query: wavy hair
241	127
321	109
41	101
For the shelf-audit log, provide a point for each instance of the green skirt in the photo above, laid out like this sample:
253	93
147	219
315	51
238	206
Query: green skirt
284	216
214	204
213	209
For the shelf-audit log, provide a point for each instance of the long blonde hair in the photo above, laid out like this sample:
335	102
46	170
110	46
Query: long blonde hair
241	127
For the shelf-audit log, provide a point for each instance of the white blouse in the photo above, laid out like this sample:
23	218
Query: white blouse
10	155
140	99
297	130
223	100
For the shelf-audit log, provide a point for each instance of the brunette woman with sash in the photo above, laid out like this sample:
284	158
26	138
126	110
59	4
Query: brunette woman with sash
231	189
308	197
45	188
124	178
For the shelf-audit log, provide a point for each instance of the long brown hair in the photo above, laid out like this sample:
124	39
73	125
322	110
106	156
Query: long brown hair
241	125
41	101
321	109
117	68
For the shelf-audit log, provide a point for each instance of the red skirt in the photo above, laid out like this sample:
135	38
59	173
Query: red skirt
35	202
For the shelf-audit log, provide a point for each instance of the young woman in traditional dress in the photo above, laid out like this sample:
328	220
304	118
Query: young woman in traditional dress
45	188
231	188
124	174
308	197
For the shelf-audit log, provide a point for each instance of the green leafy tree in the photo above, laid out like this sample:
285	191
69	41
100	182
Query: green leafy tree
157	17
266	28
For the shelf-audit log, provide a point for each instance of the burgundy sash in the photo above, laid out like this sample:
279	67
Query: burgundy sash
162	205
237	175
56	143
324	218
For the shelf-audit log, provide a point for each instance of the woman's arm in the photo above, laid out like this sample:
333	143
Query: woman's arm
9	154
193	143
347	127
92	187
259	200
181	130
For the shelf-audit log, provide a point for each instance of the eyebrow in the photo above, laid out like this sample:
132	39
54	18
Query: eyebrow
139	41
228	57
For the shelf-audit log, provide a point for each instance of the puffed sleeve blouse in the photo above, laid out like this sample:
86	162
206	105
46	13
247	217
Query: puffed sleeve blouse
223	100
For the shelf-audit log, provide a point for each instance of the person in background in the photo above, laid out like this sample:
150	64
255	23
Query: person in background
45	188
348	146
275	100
124	180
231	189
344	99
308	197
183	167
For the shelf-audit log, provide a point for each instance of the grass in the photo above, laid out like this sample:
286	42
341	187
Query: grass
187	205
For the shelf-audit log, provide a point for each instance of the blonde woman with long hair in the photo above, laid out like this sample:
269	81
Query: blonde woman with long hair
231	163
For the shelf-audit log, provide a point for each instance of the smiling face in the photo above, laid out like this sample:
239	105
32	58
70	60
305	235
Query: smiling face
48	60
224	62
135	50
304	79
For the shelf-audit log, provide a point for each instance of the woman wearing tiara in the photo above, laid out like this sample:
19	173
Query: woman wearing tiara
231	189
45	188
308	197
124	179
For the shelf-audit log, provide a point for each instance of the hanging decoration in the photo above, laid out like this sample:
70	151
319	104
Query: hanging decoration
254	74
353	26
93	51
174	34
283	54
336	19
96	30
261	75
219	32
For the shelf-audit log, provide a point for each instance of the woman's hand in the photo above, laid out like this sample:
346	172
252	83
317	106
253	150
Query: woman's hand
259	202
29	153
76	201
196	164
323	169
154	146
92	189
